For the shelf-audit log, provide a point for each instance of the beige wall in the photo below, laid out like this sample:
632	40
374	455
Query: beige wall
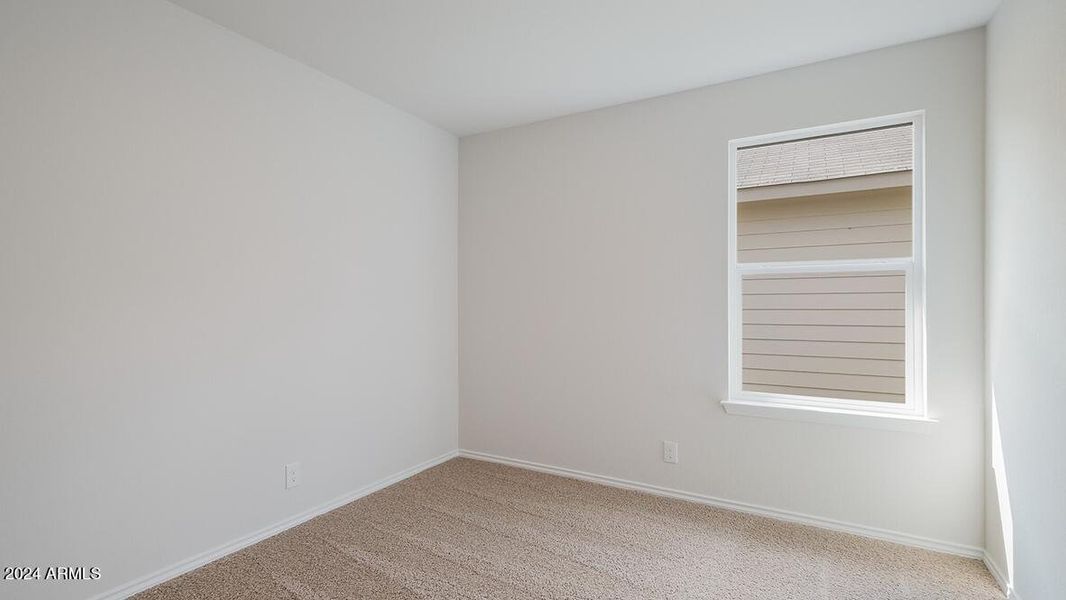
593	296
1026	267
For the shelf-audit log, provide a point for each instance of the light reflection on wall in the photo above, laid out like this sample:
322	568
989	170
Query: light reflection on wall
999	470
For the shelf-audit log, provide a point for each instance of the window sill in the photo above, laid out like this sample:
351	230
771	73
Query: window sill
830	416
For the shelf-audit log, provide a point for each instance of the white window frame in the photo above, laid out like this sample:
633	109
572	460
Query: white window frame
912	414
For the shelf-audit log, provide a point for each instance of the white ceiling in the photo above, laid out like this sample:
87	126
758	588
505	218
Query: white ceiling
477	65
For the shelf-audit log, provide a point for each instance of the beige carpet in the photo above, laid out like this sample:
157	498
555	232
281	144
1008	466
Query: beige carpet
470	529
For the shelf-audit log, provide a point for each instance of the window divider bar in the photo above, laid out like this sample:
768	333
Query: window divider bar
827	266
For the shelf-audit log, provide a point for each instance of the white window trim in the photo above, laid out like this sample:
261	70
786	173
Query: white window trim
913	414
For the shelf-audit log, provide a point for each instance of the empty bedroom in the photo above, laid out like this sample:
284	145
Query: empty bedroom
532	299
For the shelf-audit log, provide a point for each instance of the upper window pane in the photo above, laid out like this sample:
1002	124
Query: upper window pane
844	196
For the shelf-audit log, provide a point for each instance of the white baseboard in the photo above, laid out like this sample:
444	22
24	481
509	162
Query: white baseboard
998	575
153	579
180	568
773	513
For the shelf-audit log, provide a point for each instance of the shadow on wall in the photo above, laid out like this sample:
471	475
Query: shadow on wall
1003	509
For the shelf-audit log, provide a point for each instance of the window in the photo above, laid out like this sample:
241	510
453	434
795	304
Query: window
826	273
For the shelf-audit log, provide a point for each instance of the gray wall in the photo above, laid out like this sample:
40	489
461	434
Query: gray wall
213	261
592	286
1026	270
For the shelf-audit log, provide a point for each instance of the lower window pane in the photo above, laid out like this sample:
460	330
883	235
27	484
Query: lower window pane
826	335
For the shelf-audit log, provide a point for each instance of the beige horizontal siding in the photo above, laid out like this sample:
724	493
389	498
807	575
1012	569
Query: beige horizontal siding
825	284
854	251
899	216
820	364
850	225
871	301
828	349
839	335
878	318
832	381
842	236
846	203
827	393
826	333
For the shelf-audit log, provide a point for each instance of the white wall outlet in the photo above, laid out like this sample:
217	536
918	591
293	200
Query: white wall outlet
670	452
292	475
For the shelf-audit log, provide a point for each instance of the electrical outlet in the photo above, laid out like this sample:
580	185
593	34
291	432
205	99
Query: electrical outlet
292	475
670	452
